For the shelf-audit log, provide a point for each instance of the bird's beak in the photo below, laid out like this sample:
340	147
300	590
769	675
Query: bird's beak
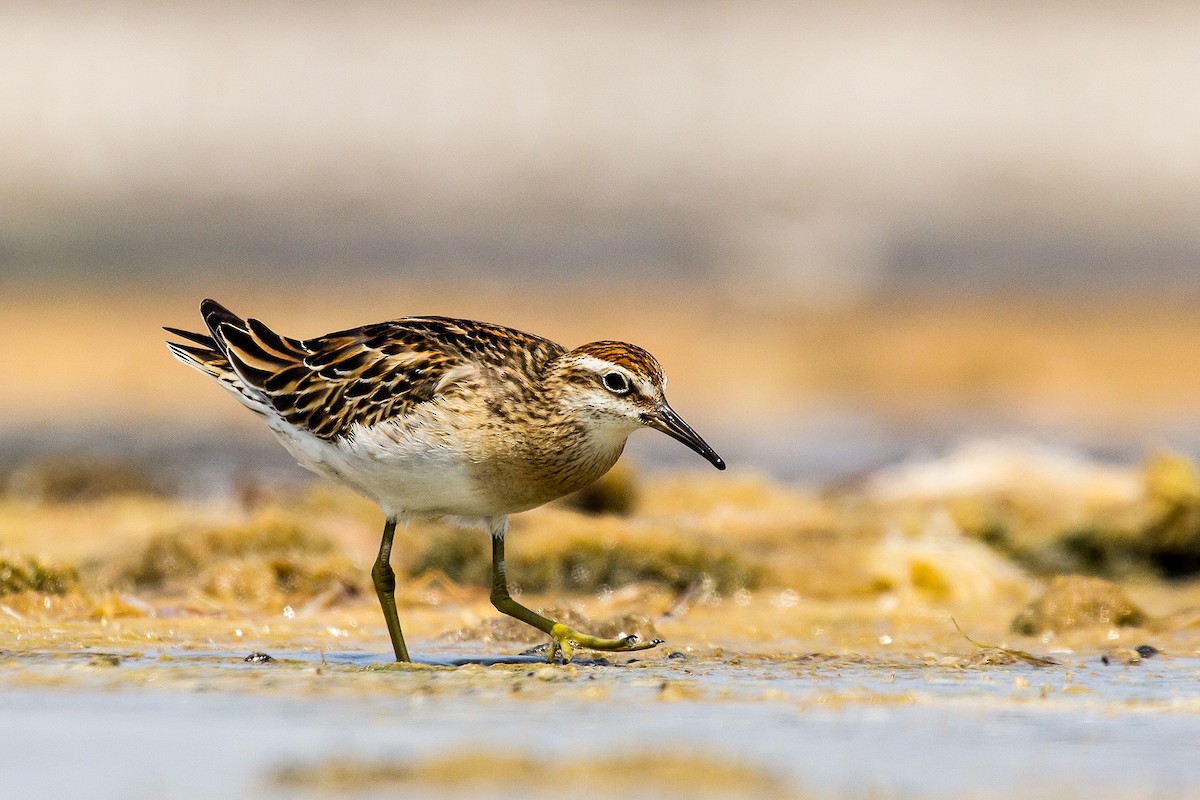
666	420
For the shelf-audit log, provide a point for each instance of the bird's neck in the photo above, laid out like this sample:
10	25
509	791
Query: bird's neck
578	452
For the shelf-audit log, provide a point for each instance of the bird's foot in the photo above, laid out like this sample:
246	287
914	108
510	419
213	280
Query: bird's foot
564	640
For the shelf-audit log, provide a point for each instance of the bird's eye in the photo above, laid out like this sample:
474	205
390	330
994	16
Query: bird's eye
616	383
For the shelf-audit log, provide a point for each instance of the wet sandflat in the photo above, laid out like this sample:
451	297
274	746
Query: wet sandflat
206	724
885	639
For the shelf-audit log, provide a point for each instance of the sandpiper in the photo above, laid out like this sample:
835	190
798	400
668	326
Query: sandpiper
440	417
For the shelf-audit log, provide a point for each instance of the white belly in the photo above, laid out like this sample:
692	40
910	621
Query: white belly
405	472
444	459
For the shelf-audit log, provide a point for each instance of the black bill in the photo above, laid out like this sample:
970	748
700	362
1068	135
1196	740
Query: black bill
666	420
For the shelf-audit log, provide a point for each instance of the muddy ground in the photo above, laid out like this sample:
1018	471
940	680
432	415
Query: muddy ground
871	640
955	556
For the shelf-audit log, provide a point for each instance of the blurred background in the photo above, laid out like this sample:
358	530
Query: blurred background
926	273
851	231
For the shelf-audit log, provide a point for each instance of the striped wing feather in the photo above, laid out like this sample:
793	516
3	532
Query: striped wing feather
365	375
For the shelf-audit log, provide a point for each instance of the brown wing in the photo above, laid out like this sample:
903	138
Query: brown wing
370	374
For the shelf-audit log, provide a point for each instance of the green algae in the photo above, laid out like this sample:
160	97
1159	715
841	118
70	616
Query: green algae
589	566
1074	601
19	575
264	560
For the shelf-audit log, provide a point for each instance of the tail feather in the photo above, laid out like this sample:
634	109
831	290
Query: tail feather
247	356
282	347
211	355
253	351
199	355
198	338
216	314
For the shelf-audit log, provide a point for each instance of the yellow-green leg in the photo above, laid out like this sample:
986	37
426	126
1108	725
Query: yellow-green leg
385	589
563	639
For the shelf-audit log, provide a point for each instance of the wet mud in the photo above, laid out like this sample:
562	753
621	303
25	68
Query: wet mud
868	641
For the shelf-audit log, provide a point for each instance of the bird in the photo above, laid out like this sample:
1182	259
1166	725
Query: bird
436	417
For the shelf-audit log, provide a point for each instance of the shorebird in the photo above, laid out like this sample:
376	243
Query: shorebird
439	417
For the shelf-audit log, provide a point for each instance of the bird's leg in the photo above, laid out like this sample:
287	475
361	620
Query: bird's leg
385	589
564	639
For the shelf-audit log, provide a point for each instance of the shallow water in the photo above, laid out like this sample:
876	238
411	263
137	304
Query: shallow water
202	725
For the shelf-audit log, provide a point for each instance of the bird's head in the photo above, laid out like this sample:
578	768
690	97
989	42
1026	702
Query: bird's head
619	388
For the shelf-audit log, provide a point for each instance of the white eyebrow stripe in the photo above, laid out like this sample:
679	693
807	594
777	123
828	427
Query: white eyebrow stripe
600	365
644	386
